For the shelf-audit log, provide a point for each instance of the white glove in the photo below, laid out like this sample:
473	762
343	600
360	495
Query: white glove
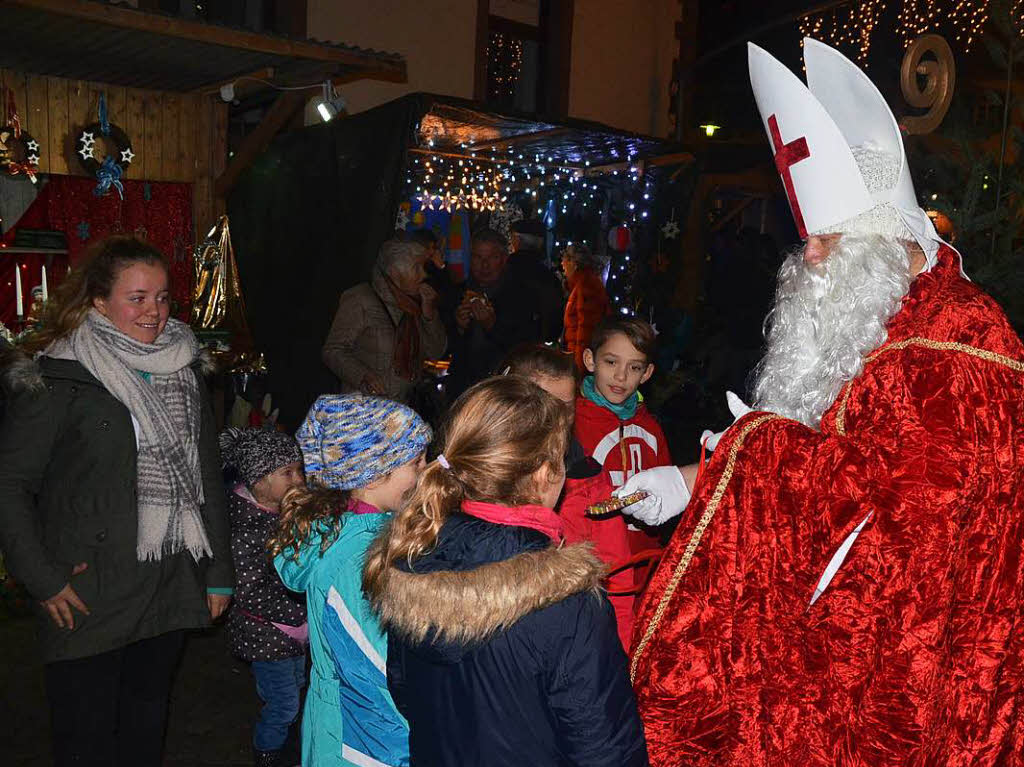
667	495
738	409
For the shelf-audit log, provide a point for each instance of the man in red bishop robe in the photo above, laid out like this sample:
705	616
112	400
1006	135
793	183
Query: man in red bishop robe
845	584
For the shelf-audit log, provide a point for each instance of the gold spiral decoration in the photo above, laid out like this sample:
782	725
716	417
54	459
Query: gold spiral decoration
940	79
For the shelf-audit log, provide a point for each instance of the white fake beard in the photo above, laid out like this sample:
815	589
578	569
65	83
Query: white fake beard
826	320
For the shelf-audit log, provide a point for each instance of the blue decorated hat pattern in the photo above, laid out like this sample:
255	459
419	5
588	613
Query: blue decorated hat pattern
349	440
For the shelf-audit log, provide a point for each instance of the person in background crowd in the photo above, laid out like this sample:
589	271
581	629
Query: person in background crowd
530	265
438	276
267	624
363	456
586	481
588	300
498	309
502	650
385	328
111	502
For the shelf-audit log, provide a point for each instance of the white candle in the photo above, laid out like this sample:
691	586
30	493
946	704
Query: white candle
20	307
46	292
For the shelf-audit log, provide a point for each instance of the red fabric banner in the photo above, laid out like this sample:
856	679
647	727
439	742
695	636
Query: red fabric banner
159	212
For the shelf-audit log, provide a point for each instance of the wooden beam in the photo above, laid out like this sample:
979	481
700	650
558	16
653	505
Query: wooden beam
738	208
483	16
508	141
287	104
679	158
133	19
251	82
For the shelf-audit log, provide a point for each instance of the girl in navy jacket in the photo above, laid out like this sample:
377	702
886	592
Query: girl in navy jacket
502	649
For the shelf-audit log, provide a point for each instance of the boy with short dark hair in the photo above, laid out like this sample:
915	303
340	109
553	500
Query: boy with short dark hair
612	423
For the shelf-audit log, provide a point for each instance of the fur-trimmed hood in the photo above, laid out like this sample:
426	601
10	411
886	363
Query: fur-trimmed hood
446	606
19	373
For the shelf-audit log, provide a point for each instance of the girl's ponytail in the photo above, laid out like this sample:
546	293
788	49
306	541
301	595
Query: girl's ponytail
499	433
438	492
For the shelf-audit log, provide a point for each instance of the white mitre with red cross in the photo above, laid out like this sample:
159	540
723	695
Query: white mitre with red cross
838	148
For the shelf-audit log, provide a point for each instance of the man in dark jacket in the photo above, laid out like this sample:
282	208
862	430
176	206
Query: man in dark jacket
529	263
499	308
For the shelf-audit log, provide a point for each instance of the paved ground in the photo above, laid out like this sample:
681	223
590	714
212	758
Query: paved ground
213	704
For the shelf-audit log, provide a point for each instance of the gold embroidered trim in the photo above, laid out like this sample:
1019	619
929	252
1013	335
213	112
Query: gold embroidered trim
927	343
698	533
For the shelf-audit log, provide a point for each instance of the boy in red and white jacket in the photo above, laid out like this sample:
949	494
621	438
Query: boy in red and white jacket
612	424
586	483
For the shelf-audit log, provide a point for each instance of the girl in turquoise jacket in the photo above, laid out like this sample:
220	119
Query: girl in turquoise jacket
362	457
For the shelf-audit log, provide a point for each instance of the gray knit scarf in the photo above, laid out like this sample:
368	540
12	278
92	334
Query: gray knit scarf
167	413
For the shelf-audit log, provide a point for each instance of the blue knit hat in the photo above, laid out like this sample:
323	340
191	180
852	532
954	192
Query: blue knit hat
349	440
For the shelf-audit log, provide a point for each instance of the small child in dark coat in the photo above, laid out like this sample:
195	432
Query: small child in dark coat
267	626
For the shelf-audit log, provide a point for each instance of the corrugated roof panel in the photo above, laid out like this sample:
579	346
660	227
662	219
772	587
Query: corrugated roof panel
48	42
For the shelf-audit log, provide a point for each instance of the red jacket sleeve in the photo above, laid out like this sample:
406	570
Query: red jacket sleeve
609	538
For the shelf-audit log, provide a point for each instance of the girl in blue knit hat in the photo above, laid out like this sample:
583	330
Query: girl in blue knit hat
362	457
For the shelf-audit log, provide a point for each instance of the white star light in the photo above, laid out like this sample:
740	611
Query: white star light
33	159
33	145
670	231
127	155
87	139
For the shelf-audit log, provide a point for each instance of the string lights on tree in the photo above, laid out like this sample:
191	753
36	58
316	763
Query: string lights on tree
852	25
504	62
847	26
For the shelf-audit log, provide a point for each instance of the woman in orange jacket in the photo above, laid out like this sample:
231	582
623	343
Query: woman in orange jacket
588	301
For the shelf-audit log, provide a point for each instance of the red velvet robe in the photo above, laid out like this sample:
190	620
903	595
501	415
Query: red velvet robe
913	655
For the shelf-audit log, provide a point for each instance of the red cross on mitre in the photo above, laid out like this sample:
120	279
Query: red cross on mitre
786	156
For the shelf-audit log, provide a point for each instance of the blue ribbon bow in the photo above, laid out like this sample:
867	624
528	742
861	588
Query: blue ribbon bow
109	175
104	122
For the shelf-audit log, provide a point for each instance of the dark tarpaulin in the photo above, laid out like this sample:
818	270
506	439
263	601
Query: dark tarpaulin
307	219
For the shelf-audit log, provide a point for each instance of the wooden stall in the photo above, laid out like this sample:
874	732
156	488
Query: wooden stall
176	136
161	76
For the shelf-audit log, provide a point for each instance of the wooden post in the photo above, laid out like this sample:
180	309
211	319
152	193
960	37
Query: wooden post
686	34
556	17
275	118
60	125
483	13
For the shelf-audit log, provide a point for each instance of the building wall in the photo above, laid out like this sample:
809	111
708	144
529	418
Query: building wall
437	39
622	53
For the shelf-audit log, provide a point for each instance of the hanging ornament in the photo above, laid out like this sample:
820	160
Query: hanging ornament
503	217
27	159
109	171
619	237
671	230
402	219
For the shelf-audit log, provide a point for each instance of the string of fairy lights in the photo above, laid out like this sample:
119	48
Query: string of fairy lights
505	59
577	203
848	26
852	25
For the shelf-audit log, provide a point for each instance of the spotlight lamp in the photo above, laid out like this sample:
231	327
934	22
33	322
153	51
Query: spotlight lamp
331	104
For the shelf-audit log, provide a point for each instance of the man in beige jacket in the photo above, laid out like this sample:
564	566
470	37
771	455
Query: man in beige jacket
385	328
